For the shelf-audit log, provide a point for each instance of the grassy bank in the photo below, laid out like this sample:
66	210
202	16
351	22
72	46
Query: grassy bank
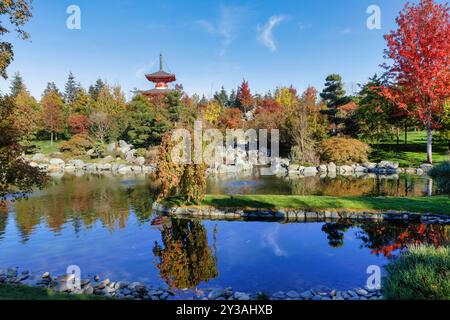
411	155
15	292
438	204
423	273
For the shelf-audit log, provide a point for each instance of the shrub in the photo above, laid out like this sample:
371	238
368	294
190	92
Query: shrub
344	151
442	175
141	152
77	145
422	273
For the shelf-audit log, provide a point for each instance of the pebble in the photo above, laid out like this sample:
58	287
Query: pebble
279	295
293	294
362	292
307	295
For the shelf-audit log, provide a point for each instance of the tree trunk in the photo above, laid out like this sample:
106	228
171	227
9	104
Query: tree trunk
398	136
51	137
430	187
448	150
406	135
429	145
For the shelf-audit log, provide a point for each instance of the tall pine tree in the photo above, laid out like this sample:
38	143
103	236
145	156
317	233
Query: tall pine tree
71	89
17	85
95	89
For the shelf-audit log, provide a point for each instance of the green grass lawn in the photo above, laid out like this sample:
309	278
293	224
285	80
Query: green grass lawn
437	204
15	292
413	154
45	147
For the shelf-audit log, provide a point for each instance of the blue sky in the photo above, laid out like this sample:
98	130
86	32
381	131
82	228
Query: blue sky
206	43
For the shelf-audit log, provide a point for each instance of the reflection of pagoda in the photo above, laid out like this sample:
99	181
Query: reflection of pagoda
161	80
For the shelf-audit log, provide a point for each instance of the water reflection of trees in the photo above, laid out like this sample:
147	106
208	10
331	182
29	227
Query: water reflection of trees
185	258
371	185
3	221
384	238
83	202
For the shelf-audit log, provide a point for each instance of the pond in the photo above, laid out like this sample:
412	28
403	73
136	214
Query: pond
367	185
105	226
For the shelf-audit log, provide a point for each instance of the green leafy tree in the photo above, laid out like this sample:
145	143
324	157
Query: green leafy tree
374	113
17	12
334	96
334	93
146	126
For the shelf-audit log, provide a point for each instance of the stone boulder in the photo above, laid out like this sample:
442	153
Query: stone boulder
310	171
426	167
331	168
38	157
57	162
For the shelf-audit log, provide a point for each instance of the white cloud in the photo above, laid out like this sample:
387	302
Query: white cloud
265	34
227	26
270	240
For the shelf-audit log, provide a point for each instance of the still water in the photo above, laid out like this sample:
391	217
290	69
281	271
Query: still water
105	226
366	185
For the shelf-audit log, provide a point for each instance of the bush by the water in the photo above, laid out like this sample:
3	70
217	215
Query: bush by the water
77	145
344	151
442	175
422	273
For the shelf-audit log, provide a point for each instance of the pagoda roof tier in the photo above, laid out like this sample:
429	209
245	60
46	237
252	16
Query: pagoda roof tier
155	92
161	76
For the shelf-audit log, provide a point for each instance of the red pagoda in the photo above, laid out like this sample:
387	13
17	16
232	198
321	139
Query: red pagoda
161	80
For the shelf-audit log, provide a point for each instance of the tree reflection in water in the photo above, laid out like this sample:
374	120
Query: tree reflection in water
186	259
384	238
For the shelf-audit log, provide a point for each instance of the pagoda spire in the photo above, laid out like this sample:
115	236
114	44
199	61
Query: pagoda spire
160	62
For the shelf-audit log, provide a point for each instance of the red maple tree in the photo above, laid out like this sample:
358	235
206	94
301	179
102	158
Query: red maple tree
420	70
79	124
245	97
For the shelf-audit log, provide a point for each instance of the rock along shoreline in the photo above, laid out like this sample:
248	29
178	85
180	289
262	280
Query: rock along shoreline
141	291
294	215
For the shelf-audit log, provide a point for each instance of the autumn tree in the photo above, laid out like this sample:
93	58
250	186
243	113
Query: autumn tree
212	112
287	98
222	97
17	12
83	103
16	175
25	115
244	97
51	114
78	123
100	124
110	102
306	127
419	71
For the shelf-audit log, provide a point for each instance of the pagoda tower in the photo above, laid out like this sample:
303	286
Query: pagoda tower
161	80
